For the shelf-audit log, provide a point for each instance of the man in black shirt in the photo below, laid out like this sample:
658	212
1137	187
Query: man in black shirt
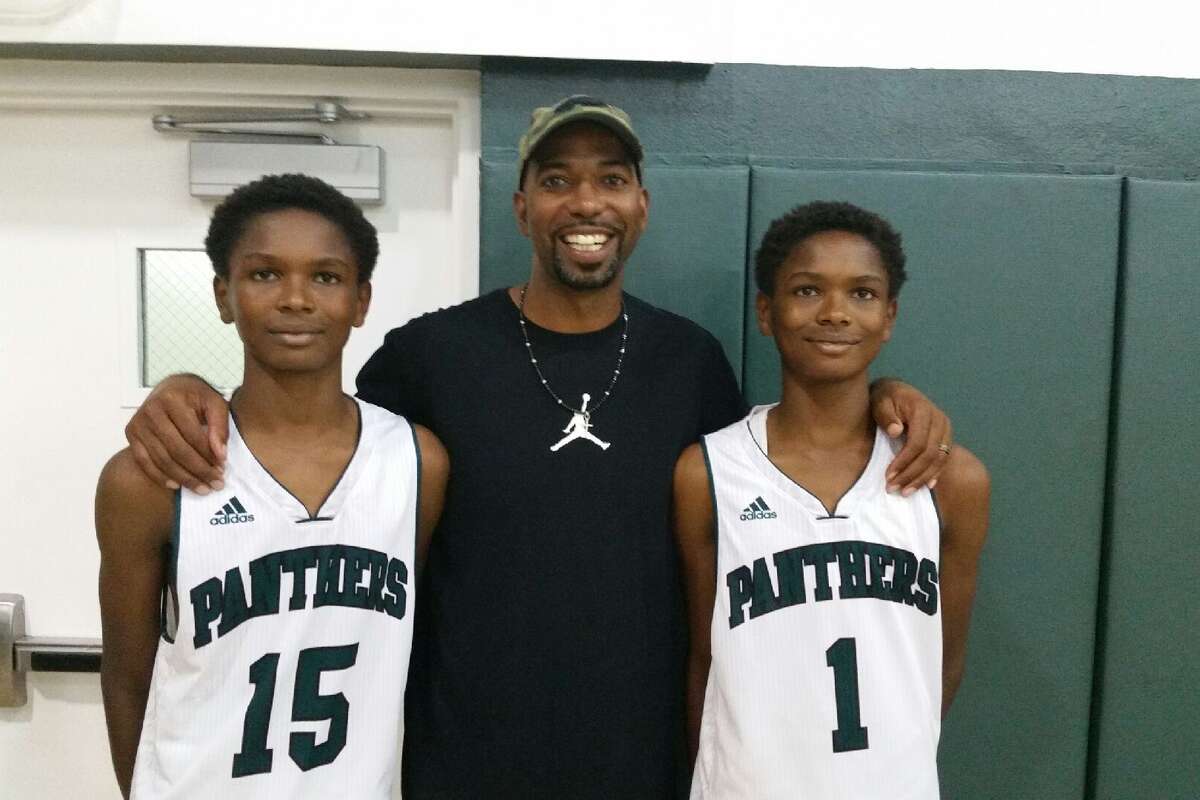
548	655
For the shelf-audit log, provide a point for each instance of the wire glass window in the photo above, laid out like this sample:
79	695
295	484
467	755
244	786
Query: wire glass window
181	330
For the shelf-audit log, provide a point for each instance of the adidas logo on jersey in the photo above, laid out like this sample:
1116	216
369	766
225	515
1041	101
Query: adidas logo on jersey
231	513
758	509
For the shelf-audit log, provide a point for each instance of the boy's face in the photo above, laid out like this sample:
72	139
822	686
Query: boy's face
293	291
830	313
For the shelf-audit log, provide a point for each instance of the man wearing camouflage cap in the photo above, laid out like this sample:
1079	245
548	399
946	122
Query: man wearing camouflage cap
549	645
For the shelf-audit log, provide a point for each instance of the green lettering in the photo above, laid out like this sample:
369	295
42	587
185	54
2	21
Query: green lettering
852	565
927	595
298	562
764	600
206	609
741	589
353	595
234	610
880	557
379	566
329	576
396	603
903	578
789	565
820	556
264	585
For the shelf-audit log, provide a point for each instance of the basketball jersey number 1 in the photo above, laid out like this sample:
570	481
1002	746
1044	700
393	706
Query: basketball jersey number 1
308	705
842	656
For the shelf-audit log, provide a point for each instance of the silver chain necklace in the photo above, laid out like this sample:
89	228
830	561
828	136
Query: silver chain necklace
584	411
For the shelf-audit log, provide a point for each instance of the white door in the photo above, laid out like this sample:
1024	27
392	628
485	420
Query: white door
86	185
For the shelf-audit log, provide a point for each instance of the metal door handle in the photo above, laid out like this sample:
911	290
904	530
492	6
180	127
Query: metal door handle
20	654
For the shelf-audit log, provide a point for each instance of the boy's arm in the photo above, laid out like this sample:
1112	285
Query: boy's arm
963	494
695	537
134	519
435	471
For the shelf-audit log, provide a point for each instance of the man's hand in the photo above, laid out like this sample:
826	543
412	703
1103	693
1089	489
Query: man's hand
178	435
900	409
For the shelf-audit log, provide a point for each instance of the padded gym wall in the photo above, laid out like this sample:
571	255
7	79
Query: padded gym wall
1149	706
995	120
1008	188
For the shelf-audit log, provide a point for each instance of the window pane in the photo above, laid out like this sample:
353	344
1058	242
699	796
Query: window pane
181	330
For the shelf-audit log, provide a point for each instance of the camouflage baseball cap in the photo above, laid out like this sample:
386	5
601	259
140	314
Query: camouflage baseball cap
578	107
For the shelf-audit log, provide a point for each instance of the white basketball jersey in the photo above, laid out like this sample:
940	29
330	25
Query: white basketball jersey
826	679
286	674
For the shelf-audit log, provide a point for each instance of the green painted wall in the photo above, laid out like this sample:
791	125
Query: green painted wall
1150	703
1000	120
1031	254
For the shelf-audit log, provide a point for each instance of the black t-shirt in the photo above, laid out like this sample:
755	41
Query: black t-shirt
548	655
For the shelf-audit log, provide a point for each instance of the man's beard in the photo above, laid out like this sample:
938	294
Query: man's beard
591	280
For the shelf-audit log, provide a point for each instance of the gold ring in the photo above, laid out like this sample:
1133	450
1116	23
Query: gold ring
944	448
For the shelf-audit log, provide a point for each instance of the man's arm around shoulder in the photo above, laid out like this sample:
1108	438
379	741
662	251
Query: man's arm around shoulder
963	495
134	522
178	434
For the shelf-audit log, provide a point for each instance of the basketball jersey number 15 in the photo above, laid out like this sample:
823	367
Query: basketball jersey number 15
308	705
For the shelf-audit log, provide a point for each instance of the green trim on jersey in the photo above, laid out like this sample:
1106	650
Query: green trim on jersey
712	496
170	593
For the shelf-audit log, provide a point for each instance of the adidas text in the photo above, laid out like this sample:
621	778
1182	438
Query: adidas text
231	513
758	509
229	520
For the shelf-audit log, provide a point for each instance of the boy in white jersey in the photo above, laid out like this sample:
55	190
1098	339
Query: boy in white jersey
294	588
833	613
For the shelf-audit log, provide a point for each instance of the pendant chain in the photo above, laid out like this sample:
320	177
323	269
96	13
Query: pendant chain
587	413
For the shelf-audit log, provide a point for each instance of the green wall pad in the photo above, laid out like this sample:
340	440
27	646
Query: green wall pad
1007	322
1150	701
690	260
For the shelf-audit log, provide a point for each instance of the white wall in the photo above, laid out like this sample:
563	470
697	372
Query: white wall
85	180
1153	37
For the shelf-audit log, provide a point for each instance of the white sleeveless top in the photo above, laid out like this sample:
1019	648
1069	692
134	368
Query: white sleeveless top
826	679
285	676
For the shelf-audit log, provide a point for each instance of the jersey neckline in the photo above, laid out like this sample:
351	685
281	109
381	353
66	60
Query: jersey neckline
329	507
868	482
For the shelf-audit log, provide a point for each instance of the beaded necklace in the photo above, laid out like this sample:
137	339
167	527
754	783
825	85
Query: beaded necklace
582	412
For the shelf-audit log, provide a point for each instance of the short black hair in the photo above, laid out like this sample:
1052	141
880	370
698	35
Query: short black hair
823	215
278	193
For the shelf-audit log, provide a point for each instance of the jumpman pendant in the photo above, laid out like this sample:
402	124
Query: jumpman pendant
578	428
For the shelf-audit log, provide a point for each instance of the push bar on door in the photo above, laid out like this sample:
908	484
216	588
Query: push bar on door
20	654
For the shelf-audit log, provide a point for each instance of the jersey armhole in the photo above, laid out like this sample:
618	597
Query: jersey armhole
169	605
712	498
937	513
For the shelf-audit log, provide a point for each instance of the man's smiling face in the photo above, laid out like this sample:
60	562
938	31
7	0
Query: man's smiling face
581	205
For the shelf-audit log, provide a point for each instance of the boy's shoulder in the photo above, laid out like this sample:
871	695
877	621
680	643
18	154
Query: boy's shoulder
963	494
123	479
964	477
128	502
